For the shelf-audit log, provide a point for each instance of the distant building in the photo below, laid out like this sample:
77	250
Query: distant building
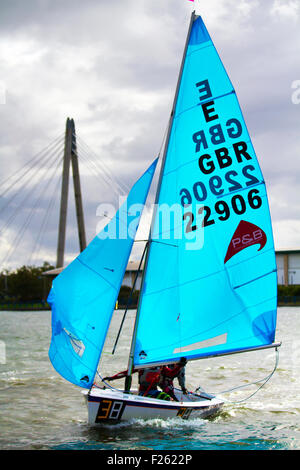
288	266
288	269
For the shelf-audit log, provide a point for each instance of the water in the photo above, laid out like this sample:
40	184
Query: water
40	410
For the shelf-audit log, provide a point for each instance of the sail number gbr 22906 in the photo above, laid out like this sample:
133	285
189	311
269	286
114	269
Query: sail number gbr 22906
227	172
223	210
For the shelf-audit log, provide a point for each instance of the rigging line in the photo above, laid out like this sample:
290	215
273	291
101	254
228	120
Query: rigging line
107	384
20	206
129	298
264	380
21	232
104	166
41	233
45	159
30	163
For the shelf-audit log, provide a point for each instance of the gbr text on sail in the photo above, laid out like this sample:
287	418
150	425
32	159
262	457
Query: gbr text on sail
224	170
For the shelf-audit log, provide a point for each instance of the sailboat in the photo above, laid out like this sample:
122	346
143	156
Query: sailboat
209	284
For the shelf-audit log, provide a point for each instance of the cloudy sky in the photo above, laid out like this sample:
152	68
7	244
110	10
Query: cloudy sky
113	66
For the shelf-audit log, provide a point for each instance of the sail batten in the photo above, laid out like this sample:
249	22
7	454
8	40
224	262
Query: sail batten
83	296
220	281
255	279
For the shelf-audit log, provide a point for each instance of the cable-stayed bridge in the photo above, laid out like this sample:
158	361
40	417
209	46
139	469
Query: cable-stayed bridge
36	197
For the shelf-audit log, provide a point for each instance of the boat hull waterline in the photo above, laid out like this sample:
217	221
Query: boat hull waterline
113	406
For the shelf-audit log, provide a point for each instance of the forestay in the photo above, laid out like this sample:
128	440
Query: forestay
210	284
83	296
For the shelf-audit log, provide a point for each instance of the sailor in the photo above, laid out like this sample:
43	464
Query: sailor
169	373
119	375
148	382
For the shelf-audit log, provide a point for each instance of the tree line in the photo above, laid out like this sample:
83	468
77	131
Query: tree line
27	284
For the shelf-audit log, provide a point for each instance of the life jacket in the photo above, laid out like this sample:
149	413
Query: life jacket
168	374
171	371
149	379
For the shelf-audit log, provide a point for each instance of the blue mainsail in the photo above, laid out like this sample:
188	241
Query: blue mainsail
210	282
83	296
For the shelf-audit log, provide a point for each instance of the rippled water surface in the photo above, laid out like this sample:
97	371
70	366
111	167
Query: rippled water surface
40	410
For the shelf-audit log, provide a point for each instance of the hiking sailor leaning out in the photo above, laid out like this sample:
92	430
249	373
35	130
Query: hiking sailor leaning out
169	373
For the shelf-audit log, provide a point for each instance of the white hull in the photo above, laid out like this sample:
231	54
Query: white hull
113	406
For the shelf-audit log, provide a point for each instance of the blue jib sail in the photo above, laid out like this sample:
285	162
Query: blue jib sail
210	285
83	296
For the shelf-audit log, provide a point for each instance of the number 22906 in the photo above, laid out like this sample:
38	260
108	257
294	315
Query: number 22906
223	210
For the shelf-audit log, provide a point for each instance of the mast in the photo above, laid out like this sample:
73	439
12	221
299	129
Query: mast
131	354
129	298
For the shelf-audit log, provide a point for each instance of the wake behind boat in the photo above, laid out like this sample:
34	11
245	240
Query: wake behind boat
209	285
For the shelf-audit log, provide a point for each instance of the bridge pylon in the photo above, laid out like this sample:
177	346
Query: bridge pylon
70	156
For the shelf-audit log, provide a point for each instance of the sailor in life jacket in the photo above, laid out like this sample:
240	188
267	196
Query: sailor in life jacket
169	373
148	382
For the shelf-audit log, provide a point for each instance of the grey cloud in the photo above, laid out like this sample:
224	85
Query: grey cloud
93	52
